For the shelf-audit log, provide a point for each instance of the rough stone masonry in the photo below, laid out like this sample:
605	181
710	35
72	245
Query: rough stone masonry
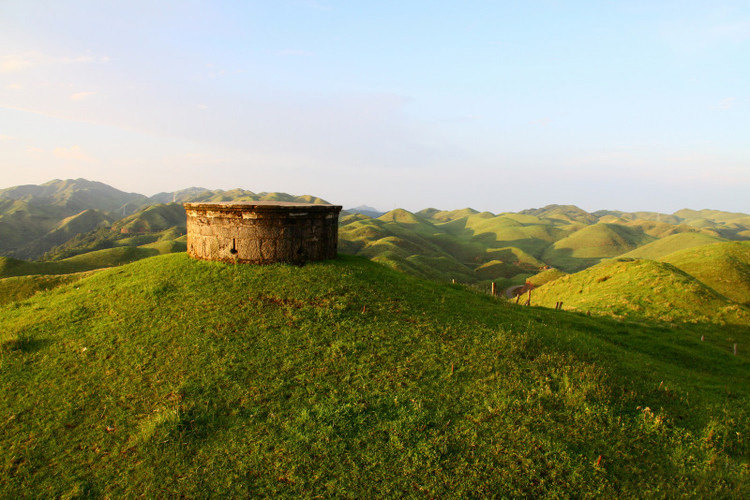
262	232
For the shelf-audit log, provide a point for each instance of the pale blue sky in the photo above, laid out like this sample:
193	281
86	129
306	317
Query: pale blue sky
630	105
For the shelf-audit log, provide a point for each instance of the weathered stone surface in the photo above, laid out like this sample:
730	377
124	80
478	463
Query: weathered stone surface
262	232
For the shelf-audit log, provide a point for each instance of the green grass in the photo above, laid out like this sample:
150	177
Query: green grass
173	377
546	276
670	244
471	247
725	267
591	244
20	287
641	289
98	259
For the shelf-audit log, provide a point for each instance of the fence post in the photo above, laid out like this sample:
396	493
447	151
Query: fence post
494	288
735	349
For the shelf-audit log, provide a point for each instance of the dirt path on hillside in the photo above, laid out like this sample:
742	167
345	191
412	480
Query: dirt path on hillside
510	291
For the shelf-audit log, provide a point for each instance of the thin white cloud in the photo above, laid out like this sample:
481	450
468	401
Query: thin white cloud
74	153
727	103
80	96
5	137
14	86
14	63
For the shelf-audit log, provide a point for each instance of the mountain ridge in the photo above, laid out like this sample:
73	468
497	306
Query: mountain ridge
464	245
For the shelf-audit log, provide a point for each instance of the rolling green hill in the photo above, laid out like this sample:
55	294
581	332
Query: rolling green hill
464	245
641	289
670	244
546	276
72	196
152	224
63	218
172	377
591	244
33	219
471	247
98	259
566	213
725	267
153	219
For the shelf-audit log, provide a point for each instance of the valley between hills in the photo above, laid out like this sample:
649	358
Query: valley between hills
128	369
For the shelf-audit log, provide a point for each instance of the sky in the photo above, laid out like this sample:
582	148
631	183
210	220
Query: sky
495	105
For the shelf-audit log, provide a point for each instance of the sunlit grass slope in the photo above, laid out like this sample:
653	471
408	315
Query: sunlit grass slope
152	219
98	259
641	289
670	244
20	287
565	213
546	276
172	377
725	267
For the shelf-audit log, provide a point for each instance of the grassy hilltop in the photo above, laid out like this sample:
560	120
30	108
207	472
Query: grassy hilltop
172	377
707	283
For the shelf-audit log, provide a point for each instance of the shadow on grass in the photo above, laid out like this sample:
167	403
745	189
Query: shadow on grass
25	343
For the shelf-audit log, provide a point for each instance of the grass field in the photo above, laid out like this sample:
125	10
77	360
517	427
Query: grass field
174	377
642	289
725	267
670	244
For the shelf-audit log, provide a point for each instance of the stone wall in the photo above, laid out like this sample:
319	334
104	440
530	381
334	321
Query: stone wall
262	232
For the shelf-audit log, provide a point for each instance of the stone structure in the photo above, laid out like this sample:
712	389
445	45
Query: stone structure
261	232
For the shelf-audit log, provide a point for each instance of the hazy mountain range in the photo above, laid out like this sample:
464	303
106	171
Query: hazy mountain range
60	219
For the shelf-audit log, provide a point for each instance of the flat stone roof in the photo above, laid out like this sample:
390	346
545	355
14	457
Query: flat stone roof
260	205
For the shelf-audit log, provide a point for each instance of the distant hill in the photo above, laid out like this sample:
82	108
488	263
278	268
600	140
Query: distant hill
72	196
591	244
153	219
365	210
566	213
670	244
33	219
54	218
198	194
62	219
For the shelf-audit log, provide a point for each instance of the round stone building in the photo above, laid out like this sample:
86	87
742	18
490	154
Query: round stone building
262	232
